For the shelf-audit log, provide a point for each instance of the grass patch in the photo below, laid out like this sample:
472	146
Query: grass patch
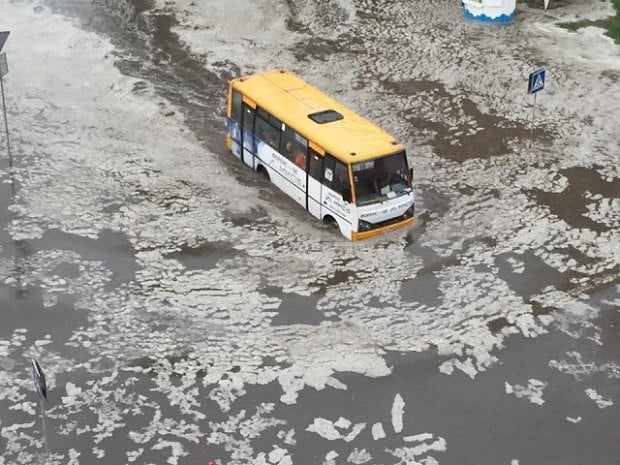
612	24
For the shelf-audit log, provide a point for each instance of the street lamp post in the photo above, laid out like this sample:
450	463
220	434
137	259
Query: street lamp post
4	69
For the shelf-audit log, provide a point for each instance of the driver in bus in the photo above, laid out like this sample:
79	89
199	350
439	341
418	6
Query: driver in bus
381	176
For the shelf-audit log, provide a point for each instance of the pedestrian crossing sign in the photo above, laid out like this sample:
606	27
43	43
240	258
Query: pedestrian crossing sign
536	81
3	36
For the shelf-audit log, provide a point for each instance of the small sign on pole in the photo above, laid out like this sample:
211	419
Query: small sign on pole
536	82
3	36
39	379
40	386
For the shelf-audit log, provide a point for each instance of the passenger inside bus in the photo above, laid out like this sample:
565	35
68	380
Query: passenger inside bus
300	160
288	149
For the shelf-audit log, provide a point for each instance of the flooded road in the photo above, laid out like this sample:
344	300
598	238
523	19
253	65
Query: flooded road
185	311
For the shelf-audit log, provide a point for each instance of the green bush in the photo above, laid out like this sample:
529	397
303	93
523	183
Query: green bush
611	24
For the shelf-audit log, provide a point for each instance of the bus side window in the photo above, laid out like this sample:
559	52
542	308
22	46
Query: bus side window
266	132
286	144
336	177
248	118
294	147
316	165
300	145
340	182
236	106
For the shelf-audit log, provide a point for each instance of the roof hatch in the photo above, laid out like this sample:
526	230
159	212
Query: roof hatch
326	116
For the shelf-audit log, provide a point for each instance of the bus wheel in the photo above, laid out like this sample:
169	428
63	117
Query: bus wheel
261	169
330	222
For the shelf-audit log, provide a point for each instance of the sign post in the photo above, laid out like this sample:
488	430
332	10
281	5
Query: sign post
4	69
535	84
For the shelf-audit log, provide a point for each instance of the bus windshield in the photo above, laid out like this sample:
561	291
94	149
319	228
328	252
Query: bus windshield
381	179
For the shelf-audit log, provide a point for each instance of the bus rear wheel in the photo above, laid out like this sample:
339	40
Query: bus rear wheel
262	171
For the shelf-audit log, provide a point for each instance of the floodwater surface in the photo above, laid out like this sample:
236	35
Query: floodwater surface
185	311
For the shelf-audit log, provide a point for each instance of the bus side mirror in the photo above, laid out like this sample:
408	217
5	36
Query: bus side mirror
346	194
411	174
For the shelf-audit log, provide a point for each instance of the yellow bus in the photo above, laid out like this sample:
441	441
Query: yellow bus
339	166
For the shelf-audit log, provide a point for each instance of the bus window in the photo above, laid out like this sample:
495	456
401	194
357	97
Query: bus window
340	182
275	122
316	165
294	147
286	147
236	106
336	177
266	132
248	118
381	179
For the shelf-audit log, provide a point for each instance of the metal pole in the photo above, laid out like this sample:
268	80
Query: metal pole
47	450
8	143
532	121
6	124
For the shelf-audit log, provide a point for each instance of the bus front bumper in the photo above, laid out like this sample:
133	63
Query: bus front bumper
358	236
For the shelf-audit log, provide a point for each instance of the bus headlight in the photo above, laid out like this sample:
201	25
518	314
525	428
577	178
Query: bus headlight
363	225
410	211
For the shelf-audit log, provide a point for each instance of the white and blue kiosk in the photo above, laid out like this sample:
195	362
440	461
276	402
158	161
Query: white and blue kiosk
490	11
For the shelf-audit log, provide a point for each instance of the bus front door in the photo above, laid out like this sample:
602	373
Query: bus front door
247	135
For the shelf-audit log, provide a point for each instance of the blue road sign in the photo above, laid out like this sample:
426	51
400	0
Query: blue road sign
536	81
3	36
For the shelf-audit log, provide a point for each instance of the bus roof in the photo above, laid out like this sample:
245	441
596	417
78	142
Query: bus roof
290	99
